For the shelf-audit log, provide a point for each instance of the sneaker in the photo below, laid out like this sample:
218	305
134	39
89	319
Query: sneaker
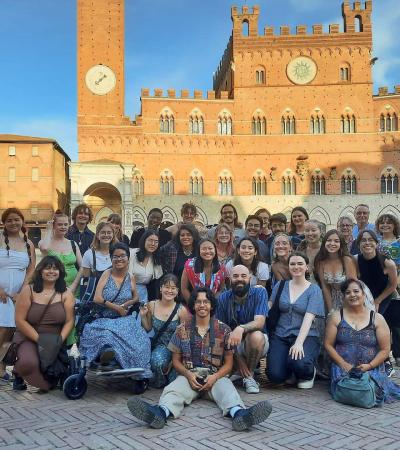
235	377
389	369
245	418
154	416
307	384
251	385
19	384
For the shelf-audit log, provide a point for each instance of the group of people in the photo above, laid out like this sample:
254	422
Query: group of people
198	307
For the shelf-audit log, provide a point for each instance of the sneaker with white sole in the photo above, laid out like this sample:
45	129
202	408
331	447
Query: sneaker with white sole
251	385
389	369
235	377
307	384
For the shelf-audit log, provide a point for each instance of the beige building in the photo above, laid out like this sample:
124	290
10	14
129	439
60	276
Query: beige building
34	177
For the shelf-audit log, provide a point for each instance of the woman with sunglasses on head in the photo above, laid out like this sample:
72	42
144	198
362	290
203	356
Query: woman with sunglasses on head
247	254
44	307
380	275
223	239
145	264
115	338
281	250
332	266
311	245
203	271
358	338
156	315
116	222
17	263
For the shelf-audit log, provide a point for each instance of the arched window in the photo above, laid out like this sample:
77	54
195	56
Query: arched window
225	185
348	123
288	124
196	185
224	124
344	72
318	184
388	122
260	76
196	124
358	24
288	184
166	183
259	185
317	124
167	123
389	182
259	124
349	183
138	185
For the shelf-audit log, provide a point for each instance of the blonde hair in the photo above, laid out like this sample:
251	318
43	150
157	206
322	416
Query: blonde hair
96	241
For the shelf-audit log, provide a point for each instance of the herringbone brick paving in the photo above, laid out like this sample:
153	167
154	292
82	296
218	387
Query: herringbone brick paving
101	421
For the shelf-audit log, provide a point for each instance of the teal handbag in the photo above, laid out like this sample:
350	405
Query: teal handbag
356	389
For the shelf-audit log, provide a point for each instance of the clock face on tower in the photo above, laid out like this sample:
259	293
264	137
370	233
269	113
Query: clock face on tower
100	79
301	70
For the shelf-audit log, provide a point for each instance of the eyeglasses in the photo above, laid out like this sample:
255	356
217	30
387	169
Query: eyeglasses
119	258
151	241
202	302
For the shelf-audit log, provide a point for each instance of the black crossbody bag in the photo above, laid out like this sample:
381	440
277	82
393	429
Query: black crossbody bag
274	313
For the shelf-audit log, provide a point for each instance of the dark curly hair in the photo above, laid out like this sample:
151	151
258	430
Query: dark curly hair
120	246
142	253
45	263
209	295
238	260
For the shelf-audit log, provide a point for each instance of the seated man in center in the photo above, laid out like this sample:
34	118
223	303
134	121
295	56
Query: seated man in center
244	309
203	359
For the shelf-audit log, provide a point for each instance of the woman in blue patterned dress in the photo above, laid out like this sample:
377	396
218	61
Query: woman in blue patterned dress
357	337
154	315
116	335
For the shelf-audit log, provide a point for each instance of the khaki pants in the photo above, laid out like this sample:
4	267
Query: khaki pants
179	393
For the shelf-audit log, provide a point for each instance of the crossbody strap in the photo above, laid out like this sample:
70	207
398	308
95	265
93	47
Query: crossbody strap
280	289
46	307
165	324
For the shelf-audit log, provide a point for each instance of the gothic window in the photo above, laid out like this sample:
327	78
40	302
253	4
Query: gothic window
259	125
288	185
388	122
317	125
196	185
344	72
225	186
288	124
167	123
196	124
349	183
259	185
138	185
245	28
318	184
260	76
224	124
348	123
166	183
389	182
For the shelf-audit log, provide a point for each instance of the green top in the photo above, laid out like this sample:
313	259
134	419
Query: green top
69	261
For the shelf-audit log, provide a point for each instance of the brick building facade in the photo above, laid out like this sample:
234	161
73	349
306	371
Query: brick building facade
291	120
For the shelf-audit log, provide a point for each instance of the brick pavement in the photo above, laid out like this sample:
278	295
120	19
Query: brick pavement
101	421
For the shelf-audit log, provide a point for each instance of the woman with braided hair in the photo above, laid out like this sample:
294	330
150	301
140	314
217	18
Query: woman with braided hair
17	263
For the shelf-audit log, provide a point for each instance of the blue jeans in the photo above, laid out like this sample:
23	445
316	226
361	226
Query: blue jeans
280	366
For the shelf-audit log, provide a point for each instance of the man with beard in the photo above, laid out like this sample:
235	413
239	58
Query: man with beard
203	359
244	309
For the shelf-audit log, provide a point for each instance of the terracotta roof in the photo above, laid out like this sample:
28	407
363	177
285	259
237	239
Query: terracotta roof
18	139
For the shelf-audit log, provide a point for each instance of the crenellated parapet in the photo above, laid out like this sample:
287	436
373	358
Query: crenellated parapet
383	91
183	94
224	65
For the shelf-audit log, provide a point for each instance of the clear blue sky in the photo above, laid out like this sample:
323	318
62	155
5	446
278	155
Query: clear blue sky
168	44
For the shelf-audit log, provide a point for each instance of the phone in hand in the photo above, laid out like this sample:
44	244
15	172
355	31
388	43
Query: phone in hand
201	380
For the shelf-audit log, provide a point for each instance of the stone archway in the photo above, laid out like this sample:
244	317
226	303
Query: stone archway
104	199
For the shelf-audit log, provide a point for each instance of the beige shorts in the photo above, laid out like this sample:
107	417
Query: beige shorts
241	351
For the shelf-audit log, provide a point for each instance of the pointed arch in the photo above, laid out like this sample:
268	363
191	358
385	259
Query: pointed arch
288	183
167	121
349	182
320	214
196	182
225	183
389	181
166	182
259	183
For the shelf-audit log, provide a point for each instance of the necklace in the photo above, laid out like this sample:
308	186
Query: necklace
47	294
187	252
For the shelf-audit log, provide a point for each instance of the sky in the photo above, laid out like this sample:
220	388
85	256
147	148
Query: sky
168	44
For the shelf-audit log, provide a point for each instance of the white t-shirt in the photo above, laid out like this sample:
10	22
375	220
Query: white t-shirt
103	262
143	275
262	272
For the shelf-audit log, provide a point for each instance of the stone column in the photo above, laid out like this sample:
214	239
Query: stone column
127	197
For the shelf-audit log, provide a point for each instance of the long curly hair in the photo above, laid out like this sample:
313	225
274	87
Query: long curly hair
37	278
4	217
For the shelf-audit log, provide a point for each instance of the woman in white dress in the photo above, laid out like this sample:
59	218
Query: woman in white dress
17	263
145	264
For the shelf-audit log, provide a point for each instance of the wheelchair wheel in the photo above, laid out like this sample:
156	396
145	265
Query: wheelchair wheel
75	387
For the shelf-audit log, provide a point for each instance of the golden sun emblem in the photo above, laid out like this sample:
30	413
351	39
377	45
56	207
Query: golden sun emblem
301	70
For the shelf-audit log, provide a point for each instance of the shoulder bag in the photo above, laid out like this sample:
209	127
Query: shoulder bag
274	313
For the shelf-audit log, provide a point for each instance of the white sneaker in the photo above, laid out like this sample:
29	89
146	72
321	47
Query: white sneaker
251	385
307	384
235	377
